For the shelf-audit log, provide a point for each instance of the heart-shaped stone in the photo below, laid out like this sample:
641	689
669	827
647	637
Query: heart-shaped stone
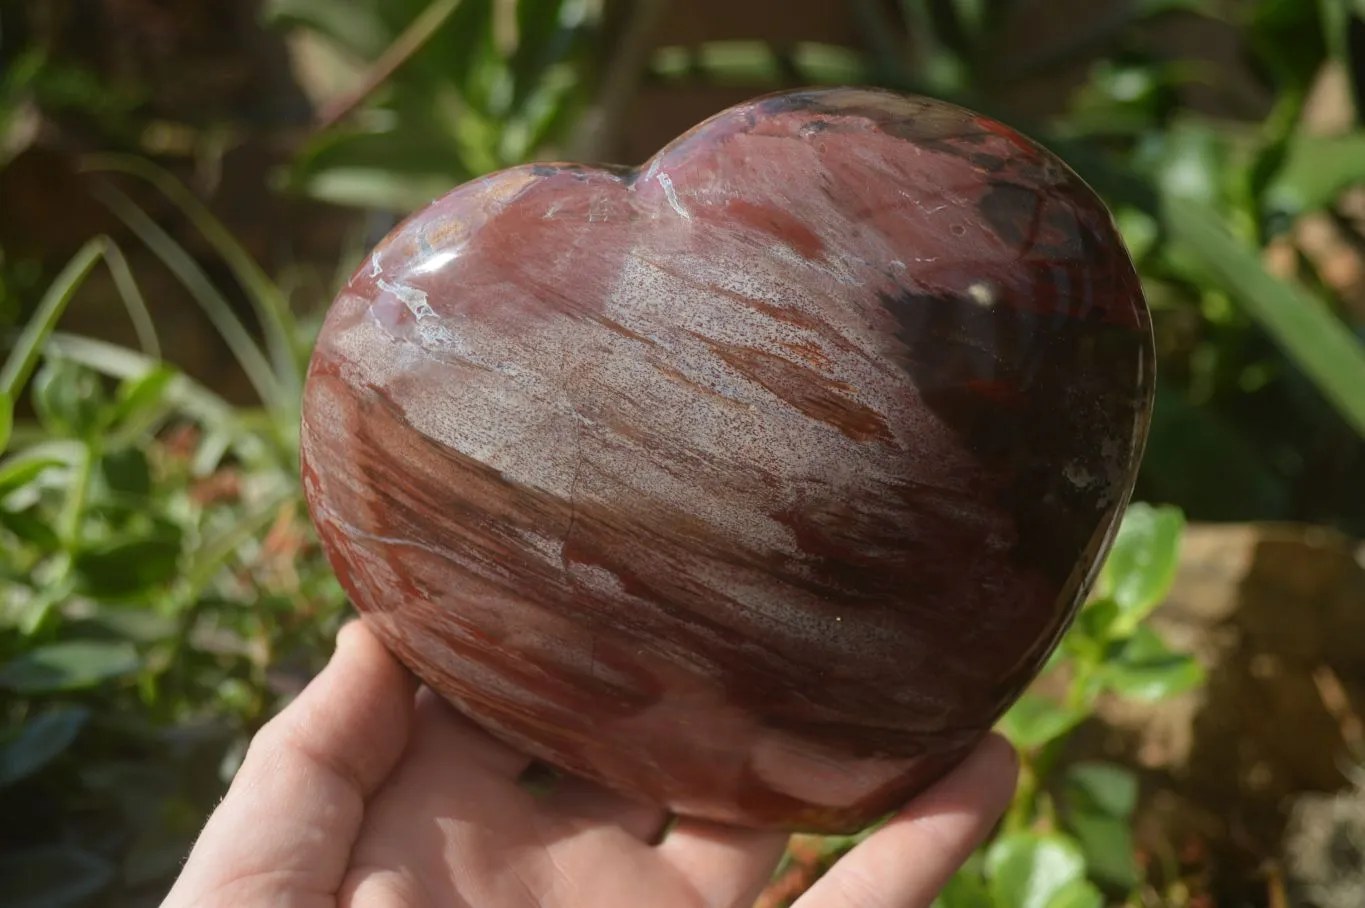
756	482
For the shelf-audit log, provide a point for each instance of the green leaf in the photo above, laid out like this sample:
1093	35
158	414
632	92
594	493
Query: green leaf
212	551
1032	870
22	469
372	187
137	624
1035	720
1100	799
1107	843
1105	788
1093	628
358	27
69	399
1141	565
143	392
32	528
399	169
53	877
1077	894
1147	670
1146	9
119	362
1315	172
72	665
6	418
1288	40
542	40
458	53
40	740
1139	230
1192	163
126	470
966	889
1299	321
829	64
124	567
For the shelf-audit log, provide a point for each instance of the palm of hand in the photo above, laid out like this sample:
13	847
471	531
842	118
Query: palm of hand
360	794
437	835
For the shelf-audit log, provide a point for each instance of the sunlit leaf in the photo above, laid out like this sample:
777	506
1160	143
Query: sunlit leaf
1077	894
1094	626
1147	669
1100	799
1141	565
375	187
120	362
1316	170
966	889
142	392
69	399
1032	870
1313	337
1107	843
1191	163
358	26
22	469
6	419
1103	787
1035	720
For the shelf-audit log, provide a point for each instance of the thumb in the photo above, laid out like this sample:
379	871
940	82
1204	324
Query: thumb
295	807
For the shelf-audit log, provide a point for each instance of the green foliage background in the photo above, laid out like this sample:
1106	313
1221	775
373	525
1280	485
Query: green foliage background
161	594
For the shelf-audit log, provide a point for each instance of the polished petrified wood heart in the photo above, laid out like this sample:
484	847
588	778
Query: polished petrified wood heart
755	482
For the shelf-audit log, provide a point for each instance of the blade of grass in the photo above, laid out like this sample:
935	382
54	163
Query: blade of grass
246	430
287	351
118	362
1299	321
409	42
6	418
29	347
253	361
133	301
214	552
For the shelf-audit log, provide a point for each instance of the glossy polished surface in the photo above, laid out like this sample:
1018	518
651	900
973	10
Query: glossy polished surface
756	482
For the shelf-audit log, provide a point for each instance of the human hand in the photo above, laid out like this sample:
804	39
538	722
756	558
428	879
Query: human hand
366	792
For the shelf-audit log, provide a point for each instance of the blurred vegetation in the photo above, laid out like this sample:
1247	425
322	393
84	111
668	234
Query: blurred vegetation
161	592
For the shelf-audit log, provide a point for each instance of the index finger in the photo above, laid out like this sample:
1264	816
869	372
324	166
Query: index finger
909	860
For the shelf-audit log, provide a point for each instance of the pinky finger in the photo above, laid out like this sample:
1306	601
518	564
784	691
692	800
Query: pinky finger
907	862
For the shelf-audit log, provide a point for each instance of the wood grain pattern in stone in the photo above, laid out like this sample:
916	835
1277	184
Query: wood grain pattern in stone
756	482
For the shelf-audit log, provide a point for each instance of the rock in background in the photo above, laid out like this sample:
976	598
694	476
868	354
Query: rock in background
1276	614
